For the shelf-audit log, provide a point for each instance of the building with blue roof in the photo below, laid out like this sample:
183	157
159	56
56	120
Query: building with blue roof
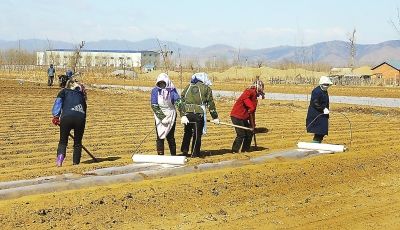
99	58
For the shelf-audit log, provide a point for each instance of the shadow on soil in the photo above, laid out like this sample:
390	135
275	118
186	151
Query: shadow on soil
225	151
101	159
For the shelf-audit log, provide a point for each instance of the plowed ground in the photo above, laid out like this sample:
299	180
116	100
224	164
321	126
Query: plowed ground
356	189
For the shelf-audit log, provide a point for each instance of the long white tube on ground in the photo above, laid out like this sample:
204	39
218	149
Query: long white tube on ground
175	160
318	146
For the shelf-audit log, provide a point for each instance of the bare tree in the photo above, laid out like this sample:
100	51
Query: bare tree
352	48
165	55
50	48
260	63
77	56
396	22
88	60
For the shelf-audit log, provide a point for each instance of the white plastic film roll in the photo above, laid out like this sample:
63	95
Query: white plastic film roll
318	146
175	160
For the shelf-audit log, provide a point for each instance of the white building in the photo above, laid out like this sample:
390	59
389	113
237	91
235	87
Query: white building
105	58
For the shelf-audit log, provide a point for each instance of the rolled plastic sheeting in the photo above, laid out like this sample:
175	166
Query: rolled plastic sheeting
318	146
175	160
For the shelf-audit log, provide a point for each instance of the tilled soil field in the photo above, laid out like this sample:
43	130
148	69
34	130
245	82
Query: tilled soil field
356	189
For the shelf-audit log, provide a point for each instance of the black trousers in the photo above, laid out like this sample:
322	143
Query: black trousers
66	125
243	136
50	80
194	131
171	142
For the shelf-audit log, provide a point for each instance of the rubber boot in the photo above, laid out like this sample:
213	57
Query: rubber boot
60	154
318	138
60	160
76	158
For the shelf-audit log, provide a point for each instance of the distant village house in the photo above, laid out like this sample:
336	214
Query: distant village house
388	71
350	76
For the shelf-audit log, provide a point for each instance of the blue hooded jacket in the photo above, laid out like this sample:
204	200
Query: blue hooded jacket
70	103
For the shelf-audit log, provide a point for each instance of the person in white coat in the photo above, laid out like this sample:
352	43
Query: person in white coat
164	98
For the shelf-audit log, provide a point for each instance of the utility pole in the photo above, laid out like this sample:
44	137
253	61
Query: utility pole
215	67
180	67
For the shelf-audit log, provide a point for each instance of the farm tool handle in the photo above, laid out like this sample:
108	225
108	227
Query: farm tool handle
253	126
348	120
137	148
86	150
236	126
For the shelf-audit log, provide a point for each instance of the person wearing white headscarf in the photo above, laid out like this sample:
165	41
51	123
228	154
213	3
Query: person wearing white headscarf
197	97
164	97
317	120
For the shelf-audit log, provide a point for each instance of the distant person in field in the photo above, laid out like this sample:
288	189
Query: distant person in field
197	97
318	110
164	98
243	114
69	112
51	72
62	79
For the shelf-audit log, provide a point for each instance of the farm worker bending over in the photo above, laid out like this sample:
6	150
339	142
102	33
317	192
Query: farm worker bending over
318	110
164	97
197	97
243	114
51	72
69	112
64	78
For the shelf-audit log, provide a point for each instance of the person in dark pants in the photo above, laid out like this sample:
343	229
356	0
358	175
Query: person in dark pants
69	112
242	112
197	97
164	98
318	110
51	72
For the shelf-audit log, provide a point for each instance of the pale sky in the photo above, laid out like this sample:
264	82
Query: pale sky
239	23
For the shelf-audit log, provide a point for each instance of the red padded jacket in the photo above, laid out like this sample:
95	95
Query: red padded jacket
245	104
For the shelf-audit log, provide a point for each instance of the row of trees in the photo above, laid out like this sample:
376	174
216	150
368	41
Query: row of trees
17	57
23	57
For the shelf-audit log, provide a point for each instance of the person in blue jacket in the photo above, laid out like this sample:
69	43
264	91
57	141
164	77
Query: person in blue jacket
51	72
69	112
318	110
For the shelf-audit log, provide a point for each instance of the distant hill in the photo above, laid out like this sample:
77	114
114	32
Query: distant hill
335	53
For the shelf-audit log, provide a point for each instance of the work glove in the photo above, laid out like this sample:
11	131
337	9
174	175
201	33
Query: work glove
326	111
165	121
184	120
56	120
216	121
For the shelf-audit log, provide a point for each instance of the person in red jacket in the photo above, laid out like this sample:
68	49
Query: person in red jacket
243	114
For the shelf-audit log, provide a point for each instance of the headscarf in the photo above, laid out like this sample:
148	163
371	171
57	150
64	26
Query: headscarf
169	85
203	77
259	86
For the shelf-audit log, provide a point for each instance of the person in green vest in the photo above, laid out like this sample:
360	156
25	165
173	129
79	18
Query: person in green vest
197	97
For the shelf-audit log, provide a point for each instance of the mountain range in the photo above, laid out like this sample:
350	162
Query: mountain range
334	53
